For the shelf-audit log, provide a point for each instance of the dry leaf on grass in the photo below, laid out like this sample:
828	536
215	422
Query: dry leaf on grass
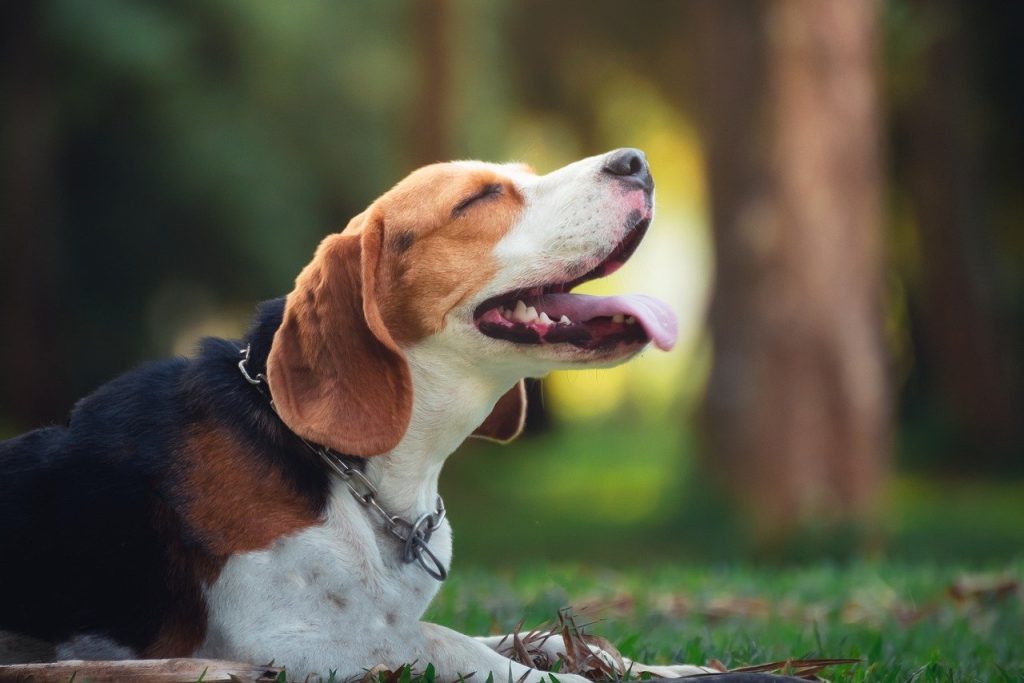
578	654
800	668
979	587
580	658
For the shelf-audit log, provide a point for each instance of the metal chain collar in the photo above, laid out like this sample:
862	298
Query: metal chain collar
414	535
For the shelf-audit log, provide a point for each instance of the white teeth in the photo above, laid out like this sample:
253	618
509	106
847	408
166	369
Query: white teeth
618	318
519	314
630	320
564	320
522	313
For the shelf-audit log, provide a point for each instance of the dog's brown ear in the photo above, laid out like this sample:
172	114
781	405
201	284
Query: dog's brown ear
336	375
507	418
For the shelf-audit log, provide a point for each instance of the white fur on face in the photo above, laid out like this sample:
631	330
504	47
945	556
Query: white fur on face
572	219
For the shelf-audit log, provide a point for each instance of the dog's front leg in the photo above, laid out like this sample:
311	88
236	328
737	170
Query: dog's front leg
551	646
455	655
312	654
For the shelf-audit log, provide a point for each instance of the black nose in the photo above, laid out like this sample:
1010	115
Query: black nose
629	165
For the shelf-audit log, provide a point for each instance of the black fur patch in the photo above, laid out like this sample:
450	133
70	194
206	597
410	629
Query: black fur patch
91	530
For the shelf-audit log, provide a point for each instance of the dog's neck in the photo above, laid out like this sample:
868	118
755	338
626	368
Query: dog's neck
451	397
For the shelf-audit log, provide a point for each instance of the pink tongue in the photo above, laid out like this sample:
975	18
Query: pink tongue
657	318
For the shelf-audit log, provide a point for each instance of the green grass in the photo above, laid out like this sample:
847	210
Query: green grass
900	620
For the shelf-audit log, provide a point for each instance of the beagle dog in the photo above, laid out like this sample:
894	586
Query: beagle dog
276	498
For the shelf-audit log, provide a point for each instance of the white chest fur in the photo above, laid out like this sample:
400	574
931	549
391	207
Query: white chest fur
333	596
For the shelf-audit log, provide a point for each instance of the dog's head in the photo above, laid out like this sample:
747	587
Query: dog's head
478	261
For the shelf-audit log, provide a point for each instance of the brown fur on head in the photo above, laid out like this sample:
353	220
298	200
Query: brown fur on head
337	370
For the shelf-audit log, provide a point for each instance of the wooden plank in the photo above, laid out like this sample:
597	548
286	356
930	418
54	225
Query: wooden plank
143	670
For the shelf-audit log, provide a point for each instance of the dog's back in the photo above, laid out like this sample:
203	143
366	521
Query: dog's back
78	509
111	525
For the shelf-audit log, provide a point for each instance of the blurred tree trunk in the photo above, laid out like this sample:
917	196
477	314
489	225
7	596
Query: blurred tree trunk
798	407
431	123
32	390
961	336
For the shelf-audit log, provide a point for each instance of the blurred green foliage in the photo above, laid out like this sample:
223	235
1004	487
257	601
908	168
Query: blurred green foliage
205	148
617	494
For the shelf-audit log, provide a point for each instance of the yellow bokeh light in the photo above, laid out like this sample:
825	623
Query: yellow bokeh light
673	264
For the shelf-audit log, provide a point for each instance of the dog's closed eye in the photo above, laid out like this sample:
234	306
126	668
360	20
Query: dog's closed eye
485	192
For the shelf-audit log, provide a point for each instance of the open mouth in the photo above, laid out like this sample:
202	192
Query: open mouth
550	314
